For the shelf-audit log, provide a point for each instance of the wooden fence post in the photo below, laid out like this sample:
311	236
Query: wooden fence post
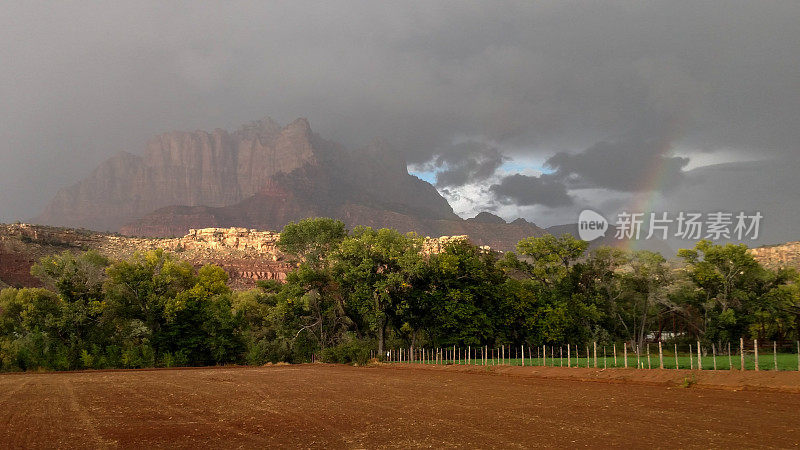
755	349
605	361
569	357
625	350
660	356
595	354
638	357
691	358
523	354
587	357
648	356
677	365
741	351
730	358
775	354
544	355
561	356
714	354
699	360
615	354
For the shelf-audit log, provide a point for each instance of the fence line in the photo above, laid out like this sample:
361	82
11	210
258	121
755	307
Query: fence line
696	357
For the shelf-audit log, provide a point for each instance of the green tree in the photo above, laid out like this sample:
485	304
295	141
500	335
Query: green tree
370	266
549	258
312	239
459	297
644	294
78	280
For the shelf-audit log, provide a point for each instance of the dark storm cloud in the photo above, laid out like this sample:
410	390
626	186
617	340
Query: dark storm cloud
526	190
465	162
626	165
81	82
768	186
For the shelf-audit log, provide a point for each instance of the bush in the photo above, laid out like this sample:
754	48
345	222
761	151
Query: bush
138	356
355	351
87	360
267	351
178	359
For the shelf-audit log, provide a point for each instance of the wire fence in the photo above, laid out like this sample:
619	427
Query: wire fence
650	356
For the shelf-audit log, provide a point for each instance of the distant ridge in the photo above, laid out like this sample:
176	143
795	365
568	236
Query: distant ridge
264	176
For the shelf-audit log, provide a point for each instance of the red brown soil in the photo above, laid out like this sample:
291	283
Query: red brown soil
395	406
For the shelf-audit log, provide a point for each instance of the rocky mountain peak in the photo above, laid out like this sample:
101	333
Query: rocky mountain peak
487	217
263	176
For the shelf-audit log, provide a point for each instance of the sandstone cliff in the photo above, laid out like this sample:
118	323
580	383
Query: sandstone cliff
182	168
264	176
778	256
247	255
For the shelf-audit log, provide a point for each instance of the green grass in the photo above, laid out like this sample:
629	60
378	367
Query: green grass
786	361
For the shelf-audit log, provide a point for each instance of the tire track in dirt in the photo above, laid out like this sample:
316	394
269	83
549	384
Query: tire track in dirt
79	412
190	416
8	413
279	415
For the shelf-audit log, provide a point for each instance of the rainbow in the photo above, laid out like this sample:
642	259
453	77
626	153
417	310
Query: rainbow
651	182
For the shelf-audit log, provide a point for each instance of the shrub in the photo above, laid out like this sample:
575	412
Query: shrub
87	360
355	351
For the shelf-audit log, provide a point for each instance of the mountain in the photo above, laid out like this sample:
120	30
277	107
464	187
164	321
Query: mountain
264	176
182	168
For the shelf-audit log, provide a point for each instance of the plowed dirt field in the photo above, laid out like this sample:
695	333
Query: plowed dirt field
335	406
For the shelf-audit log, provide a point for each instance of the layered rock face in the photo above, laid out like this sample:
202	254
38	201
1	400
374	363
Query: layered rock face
264	176
182	168
247	255
778	256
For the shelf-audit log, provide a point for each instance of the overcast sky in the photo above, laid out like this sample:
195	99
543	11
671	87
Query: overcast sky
527	109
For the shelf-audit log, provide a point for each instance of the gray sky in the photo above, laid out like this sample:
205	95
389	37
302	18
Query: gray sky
600	96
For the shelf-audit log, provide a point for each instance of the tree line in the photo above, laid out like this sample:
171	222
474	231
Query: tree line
365	290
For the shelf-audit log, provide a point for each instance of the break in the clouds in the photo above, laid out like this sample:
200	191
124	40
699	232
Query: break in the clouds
464	163
599	90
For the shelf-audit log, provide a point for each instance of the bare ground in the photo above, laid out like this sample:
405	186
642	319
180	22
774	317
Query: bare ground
398	406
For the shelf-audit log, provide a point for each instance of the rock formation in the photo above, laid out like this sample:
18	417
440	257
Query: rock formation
778	256
182	168
264	176
247	255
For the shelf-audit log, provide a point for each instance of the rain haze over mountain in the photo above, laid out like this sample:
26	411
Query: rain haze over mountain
533	110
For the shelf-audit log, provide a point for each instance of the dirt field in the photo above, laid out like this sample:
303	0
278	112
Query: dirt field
395	406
